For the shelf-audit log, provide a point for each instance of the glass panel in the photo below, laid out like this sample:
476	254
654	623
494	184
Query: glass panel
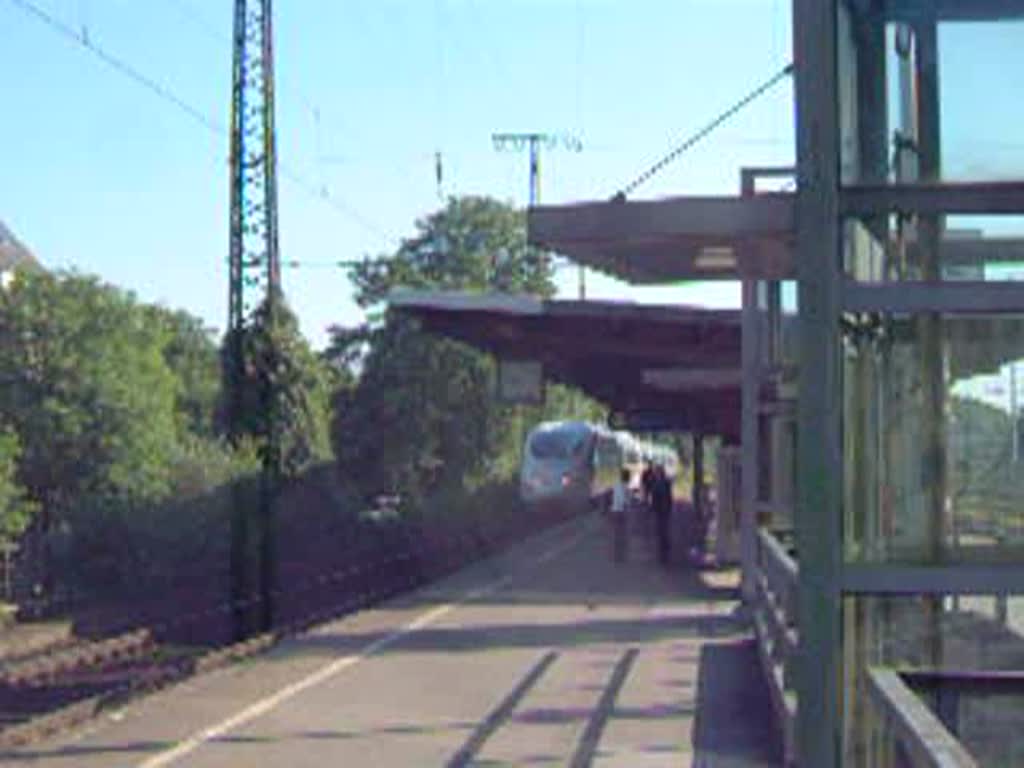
980	109
929	102
932	436
946	645
949	248
789	342
788	291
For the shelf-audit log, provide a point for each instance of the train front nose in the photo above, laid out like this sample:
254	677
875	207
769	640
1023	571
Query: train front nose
548	482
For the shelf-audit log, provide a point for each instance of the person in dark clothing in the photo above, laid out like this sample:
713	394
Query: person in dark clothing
647	482
661	501
646	488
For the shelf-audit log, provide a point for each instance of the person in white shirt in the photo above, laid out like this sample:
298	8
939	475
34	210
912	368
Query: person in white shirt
619	512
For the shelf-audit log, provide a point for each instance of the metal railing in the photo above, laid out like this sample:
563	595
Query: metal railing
775	622
921	739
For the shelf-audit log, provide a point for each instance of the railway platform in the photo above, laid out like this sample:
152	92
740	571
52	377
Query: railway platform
546	655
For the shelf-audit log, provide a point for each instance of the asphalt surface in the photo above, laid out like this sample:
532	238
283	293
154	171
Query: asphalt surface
549	655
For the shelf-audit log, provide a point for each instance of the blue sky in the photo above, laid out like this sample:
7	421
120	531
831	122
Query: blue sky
102	176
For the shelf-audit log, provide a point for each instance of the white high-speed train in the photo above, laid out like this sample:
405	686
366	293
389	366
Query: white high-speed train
573	463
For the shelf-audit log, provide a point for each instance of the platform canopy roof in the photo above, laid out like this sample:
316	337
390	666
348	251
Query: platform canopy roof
752	236
674	239
662	367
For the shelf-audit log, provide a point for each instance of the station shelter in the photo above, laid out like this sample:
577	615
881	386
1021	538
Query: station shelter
882	491
908	247
726	374
656	368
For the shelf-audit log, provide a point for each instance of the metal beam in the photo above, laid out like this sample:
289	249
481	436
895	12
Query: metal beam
820	456
981	251
951	10
750	443
966	579
689	379
925	198
968	296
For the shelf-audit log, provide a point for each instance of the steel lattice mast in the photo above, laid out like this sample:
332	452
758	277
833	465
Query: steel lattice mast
255	282
255	271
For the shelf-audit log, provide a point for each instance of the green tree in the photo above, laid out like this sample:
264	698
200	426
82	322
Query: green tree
562	402
86	388
981	452
15	507
422	416
472	244
191	353
276	358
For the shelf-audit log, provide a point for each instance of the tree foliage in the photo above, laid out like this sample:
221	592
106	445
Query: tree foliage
423	416
15	507
112	412
981	456
191	353
86	388
277	360
110	427
472	244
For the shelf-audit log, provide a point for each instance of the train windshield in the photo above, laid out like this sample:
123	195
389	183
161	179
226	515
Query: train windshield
557	445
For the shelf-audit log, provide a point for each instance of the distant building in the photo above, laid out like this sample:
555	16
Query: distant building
13	254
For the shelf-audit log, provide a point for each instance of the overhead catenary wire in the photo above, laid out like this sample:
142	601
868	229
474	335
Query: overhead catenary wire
82	38
703	132
300	98
165	93
325	195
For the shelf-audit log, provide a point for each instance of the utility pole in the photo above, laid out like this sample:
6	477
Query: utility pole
254	282
533	142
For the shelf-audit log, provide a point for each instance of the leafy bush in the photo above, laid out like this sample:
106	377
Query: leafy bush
15	507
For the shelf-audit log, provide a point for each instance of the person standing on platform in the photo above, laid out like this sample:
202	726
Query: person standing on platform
646	487
661	501
619	512
647	482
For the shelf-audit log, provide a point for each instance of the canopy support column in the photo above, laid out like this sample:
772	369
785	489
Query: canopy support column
697	491
750	442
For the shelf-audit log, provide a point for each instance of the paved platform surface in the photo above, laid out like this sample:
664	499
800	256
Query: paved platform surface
546	656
